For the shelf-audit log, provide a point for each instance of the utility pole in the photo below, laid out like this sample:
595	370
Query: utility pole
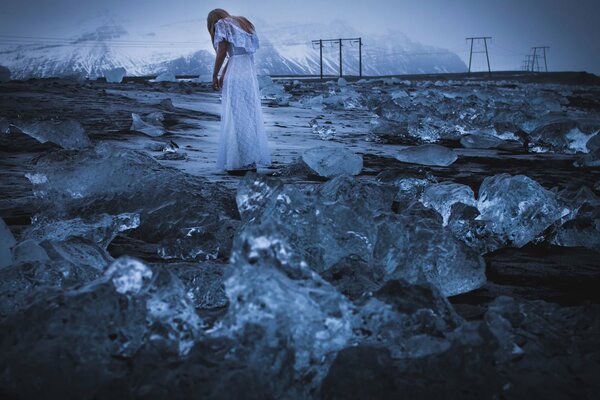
536	57
339	42
321	56
360	57
487	55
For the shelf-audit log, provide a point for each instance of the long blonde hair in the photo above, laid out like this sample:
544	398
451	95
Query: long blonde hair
219	13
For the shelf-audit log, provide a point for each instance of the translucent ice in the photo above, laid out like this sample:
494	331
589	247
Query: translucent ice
101	229
115	75
415	247
480	142
68	134
7	241
517	208
166	77
589	160
153	127
29	251
342	82
563	136
289	329
331	161
273	92
324	132
129	275
88	331
442	196
409	320
428	154
184	216
346	224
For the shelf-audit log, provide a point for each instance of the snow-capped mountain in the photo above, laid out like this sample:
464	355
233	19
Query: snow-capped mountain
184	48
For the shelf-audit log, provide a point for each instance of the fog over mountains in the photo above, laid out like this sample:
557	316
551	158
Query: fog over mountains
176	47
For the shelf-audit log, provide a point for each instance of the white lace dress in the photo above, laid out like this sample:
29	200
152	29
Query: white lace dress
242	139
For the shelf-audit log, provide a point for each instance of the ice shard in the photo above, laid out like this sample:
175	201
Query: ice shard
442	196
346	223
68	134
100	229
428	154
415	247
151	127
331	161
288	329
115	75
517	208
183	216
478	141
166	77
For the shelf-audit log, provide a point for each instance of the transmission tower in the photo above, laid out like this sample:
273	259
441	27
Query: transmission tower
487	55
539	52
339	42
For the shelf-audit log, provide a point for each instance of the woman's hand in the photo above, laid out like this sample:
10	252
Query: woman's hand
216	82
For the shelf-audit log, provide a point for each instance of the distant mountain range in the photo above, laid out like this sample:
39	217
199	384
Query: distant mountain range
175	47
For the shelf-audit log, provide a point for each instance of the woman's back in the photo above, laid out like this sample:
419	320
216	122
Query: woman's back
240	41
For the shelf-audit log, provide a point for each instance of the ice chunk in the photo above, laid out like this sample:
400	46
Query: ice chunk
415	247
288	329
427	154
80	337
273	92
342	82
183	216
7	241
314	102
128	275
442	196
29	251
4	74
410	184
589	160
101	229
331	161
153	127
264	81
478	141
68	134
409	320
254	193
517	208
350	222
563	136
203	283
204	78
78	253
166	77
325	133
115	75
399	94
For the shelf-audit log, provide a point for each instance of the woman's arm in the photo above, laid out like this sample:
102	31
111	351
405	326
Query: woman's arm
221	54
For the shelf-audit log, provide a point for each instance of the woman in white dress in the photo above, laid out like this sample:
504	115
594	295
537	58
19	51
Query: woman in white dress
242	137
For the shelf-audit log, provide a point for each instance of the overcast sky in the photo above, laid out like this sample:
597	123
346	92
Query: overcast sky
570	28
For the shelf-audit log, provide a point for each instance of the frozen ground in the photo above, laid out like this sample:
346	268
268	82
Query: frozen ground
439	239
